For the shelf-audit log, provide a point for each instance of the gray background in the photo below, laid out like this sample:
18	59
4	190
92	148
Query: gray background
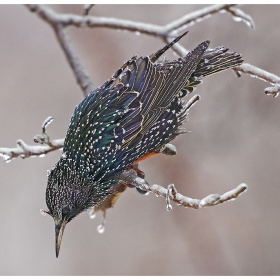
234	138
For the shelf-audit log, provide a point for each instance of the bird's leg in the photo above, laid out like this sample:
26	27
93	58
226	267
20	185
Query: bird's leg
167	149
131	179
140	174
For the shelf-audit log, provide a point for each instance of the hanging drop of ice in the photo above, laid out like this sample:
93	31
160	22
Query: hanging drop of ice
168	207
137	33
5	157
92	214
101	228
237	19
43	212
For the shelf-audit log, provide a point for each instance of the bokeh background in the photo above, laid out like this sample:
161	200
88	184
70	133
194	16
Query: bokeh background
234	138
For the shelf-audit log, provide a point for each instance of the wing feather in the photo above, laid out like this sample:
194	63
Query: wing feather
138	110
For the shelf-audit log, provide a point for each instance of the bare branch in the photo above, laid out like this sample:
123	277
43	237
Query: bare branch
56	21
239	15
170	194
87	8
52	18
211	200
131	178
145	28
24	151
80	73
60	21
262	75
194	17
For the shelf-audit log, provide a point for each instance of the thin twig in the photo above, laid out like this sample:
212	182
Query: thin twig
87	8
211	200
194	17
24	151
262	75
170	194
56	21
239	15
80	73
145	28
166	32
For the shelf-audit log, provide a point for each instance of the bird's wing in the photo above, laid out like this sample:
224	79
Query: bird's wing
114	125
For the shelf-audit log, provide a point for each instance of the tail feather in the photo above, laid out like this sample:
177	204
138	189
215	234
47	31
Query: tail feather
213	61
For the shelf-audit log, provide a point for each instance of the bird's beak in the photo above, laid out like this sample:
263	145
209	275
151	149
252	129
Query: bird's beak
59	228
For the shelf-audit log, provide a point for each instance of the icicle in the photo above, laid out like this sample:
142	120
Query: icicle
101	227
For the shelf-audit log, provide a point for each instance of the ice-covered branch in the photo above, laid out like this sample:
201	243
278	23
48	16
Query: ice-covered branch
131	178
263	75
239	15
24	151
145	28
170	194
57	23
87	8
211	200
196	16
81	74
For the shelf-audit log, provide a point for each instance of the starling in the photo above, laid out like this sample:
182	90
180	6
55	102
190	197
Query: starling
131	117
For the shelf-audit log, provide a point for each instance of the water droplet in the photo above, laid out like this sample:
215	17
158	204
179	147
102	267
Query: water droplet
92	215
5	157
137	33
43	212
101	228
237	19
168	207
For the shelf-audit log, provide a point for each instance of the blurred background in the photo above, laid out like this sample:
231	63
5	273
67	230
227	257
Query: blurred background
234	138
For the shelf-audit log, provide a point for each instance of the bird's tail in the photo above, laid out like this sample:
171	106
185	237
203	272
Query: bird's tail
212	61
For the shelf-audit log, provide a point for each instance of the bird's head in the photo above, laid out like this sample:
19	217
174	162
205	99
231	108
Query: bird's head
66	197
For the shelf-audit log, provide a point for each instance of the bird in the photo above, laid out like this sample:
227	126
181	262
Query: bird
131	117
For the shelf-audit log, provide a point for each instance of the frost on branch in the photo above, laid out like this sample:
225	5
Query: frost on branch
170	194
256	72
166	32
24	150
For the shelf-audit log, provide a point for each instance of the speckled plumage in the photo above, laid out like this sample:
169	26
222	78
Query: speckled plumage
136	112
